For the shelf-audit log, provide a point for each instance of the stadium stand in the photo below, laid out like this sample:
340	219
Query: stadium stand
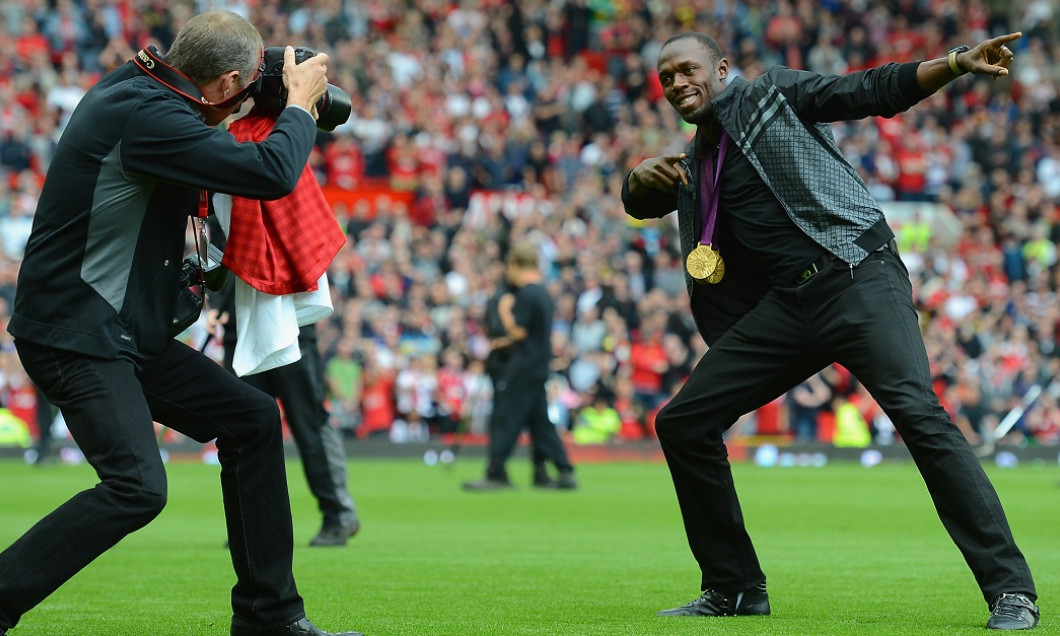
479	121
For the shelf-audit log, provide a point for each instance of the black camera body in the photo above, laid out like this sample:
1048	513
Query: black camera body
213	274
270	95
189	300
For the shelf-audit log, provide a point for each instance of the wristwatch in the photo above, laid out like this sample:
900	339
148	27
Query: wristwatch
952	57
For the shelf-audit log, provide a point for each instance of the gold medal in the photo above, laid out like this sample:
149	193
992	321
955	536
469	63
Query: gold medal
702	262
719	271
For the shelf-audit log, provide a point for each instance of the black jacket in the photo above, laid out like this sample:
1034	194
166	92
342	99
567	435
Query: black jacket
100	271
780	121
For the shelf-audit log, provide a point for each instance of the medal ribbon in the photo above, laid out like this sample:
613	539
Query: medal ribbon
712	191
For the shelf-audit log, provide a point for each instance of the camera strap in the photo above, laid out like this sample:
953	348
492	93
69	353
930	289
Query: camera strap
198	231
151	63
202	241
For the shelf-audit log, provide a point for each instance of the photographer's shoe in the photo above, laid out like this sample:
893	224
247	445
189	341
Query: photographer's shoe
298	628
753	601
1012	612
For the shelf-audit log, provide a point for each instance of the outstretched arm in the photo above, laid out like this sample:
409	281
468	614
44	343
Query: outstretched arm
886	90
991	57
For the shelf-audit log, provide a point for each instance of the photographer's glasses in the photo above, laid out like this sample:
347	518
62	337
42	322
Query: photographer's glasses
243	93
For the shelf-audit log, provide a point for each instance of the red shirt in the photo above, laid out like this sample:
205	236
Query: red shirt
27	46
377	404
912	170
282	246
345	165
645	358
452	389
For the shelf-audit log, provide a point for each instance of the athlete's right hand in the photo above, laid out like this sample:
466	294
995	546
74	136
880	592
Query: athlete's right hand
660	173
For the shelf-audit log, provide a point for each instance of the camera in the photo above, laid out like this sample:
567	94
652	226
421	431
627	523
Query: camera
270	95
189	301
214	275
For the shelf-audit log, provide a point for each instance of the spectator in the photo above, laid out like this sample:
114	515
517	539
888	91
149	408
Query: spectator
343	376
805	402
378	410
597	422
648	362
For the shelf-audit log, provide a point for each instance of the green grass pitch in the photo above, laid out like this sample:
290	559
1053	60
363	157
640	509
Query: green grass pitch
847	549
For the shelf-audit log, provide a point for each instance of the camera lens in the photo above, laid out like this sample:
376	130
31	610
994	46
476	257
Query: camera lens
270	95
333	109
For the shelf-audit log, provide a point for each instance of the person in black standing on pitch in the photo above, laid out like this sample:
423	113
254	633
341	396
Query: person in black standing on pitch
796	268
519	397
499	358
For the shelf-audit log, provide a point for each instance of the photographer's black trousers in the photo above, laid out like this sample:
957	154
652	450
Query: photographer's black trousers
300	389
109	406
864	319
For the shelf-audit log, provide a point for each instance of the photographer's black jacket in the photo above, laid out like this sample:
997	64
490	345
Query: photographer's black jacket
100	271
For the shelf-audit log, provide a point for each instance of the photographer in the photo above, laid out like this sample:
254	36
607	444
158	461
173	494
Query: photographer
97	294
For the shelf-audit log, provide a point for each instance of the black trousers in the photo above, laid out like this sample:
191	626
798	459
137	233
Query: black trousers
300	389
518	405
109	406
864	319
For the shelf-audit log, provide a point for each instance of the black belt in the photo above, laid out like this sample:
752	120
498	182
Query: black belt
824	260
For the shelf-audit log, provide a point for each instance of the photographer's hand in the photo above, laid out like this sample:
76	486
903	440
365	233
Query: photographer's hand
306	82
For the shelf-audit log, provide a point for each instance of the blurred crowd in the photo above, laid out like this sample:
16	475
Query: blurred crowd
488	121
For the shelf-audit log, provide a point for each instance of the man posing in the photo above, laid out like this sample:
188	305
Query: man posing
97	294
791	266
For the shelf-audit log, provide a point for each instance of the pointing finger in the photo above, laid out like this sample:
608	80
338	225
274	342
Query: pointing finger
684	173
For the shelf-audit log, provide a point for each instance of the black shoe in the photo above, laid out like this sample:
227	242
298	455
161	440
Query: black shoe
543	480
335	535
1013	611
298	628
488	483
566	481
750	602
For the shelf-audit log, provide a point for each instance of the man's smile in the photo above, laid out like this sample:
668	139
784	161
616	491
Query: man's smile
686	99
